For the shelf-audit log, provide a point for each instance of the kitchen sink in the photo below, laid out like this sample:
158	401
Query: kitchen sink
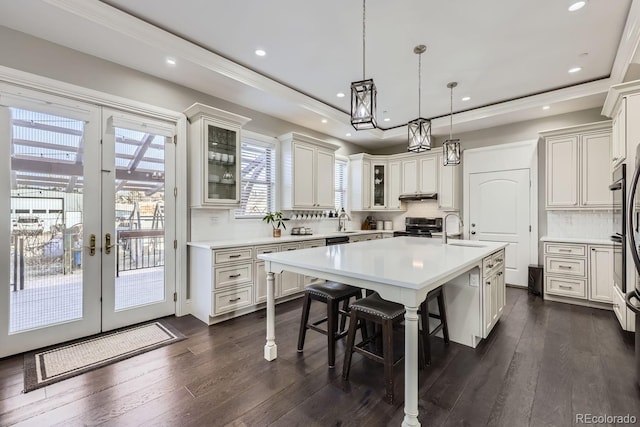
467	243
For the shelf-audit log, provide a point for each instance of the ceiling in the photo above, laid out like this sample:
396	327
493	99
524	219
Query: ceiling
511	57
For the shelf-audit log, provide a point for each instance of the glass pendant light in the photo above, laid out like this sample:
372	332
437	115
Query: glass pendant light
451	147
420	128
363	92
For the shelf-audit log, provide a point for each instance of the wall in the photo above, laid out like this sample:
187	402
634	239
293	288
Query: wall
30	54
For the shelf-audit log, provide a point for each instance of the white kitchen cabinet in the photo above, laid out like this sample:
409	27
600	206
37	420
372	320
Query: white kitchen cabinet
493	290
428	173
290	283
448	187
601	273
409	176
379	184
579	273
394	182
308	172
619	135
577	170
359	179
214	156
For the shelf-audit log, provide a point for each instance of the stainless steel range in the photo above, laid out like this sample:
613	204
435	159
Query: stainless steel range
420	227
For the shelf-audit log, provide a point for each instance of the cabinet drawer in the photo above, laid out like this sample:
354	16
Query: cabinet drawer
313	243
498	260
230	255
565	249
232	299
575	288
266	250
488	266
233	275
569	266
289	247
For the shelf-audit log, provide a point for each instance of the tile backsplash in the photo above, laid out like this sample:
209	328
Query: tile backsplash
592	224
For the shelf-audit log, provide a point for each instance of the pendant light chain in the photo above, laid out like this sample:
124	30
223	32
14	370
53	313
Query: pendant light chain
364	29
451	116
419	84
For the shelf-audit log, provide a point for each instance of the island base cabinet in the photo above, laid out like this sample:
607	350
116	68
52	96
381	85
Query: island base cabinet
232	299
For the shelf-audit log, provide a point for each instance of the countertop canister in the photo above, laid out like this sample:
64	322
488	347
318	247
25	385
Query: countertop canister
388	225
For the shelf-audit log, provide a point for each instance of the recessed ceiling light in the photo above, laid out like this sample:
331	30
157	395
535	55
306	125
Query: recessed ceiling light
577	5
347	134
466	98
575	69
170	61
260	52
546	107
386	119
340	95
324	120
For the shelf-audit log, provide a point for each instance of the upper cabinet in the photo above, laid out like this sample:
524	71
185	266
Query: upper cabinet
308	172
578	170
377	182
622	105
214	156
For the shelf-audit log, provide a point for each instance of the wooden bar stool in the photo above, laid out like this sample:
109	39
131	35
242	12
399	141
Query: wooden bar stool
330	293
425	315
382	312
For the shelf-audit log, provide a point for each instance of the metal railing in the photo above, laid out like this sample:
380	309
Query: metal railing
138	249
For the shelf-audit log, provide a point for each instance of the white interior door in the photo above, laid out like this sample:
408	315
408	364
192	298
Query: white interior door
499	212
138	219
50	187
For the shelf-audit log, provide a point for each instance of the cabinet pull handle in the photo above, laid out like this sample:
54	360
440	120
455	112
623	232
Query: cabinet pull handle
565	287
235	299
235	256
291	249
233	276
267	252
490	265
564	250
499	261
566	267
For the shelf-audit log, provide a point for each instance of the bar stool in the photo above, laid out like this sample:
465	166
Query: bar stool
425	315
379	311
330	293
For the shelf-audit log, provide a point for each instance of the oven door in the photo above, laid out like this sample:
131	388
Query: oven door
618	189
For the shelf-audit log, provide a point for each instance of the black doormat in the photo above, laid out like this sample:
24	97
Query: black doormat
56	363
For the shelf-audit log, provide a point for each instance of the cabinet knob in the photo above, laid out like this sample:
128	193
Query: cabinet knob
488	283
473	232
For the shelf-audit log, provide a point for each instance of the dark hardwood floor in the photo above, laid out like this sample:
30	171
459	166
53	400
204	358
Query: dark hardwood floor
544	363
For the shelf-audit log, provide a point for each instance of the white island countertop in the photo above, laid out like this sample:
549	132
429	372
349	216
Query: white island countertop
582	240
410	262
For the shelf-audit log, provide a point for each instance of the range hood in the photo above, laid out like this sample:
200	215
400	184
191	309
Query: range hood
418	197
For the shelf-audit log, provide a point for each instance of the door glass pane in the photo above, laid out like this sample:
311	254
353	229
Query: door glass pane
45	274
139	213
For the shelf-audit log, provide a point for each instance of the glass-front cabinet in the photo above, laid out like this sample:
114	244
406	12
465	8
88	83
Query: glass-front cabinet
379	184
214	158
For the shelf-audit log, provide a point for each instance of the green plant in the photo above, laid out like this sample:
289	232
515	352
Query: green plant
276	219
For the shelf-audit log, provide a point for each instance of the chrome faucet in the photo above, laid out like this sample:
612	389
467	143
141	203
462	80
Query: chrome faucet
444	226
343	215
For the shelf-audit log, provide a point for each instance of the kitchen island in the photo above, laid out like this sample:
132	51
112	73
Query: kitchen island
404	270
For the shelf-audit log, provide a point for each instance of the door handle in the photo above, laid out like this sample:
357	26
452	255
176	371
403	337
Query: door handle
92	245
473	232
107	243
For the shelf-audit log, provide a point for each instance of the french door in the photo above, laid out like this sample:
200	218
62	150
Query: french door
83	246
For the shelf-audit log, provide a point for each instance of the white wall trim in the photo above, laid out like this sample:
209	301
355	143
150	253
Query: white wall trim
66	90
521	155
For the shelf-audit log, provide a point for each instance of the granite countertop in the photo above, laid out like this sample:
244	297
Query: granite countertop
583	240
286	238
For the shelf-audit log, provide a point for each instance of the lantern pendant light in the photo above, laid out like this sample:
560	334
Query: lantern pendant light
451	147
420	128
363	93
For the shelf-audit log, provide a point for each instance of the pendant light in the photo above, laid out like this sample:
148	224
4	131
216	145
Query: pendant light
363	92
420	128
451	147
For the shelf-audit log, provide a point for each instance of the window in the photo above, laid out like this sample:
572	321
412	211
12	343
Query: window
341	184
257	169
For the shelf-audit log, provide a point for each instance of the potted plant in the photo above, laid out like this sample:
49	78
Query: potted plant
276	219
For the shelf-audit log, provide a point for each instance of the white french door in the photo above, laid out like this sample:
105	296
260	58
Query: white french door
73	173
138	220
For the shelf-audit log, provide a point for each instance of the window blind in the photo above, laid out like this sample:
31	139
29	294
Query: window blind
257	187
341	184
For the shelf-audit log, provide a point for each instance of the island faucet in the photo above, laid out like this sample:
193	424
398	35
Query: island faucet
341	224
444	226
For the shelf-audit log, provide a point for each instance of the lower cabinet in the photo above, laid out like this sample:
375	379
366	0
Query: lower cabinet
230	282
579	273
494	291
